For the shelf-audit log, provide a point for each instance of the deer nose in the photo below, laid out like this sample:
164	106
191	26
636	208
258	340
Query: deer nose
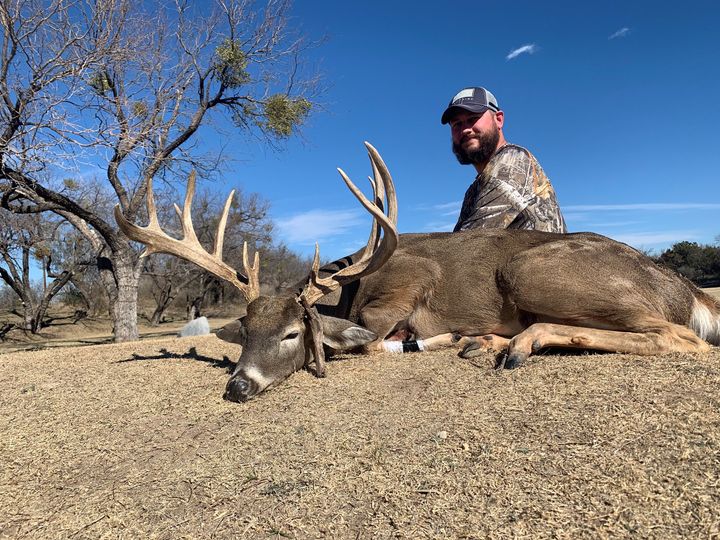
236	390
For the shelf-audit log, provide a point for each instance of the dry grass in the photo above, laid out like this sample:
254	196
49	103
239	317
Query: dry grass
134	441
64	332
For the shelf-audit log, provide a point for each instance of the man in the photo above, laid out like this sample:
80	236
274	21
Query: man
510	190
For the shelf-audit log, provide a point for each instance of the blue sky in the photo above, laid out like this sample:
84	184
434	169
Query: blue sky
617	100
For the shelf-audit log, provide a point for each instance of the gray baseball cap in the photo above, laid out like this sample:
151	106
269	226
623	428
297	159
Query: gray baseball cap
475	99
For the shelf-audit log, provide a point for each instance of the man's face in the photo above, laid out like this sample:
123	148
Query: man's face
475	136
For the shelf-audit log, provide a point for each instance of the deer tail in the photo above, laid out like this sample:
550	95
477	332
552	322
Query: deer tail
705	317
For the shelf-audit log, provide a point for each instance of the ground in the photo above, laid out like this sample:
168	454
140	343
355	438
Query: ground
134	441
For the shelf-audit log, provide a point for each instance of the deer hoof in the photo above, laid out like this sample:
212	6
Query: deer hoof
514	360
471	350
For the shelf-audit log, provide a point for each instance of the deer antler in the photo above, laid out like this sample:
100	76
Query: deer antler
377	251
189	248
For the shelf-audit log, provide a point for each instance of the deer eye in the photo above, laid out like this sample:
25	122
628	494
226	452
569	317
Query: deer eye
291	335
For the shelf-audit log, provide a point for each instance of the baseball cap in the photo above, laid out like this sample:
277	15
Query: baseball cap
475	99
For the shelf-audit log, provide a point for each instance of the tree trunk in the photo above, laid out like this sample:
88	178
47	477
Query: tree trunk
55	287
193	309
83	297
28	316
124	295
166	296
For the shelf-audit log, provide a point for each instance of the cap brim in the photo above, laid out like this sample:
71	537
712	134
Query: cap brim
453	109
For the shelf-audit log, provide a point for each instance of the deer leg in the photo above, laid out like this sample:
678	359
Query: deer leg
450	339
471	346
660	337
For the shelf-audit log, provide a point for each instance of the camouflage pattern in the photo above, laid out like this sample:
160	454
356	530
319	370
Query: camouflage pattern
512	192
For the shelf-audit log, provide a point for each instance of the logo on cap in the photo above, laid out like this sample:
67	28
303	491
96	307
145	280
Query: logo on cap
475	99
467	93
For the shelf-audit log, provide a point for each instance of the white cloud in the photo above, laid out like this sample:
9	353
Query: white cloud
525	49
454	206
624	31
440	209
577	216
640	206
319	225
640	239
613	224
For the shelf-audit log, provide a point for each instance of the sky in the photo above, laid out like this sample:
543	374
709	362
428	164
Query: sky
617	100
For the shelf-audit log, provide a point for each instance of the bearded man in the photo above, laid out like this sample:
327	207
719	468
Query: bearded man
510	191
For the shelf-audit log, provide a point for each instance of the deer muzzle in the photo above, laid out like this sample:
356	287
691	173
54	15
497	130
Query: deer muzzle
239	389
246	383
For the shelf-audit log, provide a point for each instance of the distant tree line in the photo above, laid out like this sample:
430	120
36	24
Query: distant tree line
698	262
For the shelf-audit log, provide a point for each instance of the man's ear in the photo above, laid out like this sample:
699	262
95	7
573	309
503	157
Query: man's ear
341	334
499	119
232	332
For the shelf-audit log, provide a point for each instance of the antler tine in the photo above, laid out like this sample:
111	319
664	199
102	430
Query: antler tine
186	214
220	234
374	229
316	287
253	274
374	256
379	168
379	199
380	194
150	203
189	248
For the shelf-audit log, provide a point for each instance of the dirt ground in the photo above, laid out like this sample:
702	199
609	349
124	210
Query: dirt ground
64	332
134	441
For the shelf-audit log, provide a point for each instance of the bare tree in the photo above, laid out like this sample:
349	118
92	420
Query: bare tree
69	249
111	85
23	238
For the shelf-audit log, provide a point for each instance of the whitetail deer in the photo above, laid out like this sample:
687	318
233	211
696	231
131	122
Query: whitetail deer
500	290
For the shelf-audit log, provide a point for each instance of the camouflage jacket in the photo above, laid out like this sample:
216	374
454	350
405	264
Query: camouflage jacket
511	193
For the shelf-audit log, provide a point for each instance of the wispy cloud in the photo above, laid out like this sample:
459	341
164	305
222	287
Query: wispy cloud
643	239
438	226
531	48
613	224
441	209
444	207
640	207
578	217
624	31
318	225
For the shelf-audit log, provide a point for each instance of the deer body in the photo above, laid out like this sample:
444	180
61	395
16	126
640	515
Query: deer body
480	282
499	290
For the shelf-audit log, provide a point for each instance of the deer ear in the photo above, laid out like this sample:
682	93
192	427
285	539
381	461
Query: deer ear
232	332
341	334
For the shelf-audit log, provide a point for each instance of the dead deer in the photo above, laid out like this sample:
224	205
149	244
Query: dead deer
498	290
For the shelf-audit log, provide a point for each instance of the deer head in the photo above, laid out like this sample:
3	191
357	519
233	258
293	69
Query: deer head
280	334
